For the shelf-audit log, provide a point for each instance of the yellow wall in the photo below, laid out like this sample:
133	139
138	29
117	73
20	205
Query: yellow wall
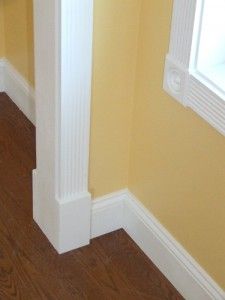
18	17
2	36
115	48
175	159
177	165
115	43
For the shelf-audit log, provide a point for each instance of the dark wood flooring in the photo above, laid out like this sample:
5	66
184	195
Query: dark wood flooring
112	267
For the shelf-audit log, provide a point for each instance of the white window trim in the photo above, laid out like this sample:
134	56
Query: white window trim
181	80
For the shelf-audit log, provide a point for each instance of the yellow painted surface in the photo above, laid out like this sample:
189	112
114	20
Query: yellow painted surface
115	44
19	50
174	160
116	26
2	36
177	165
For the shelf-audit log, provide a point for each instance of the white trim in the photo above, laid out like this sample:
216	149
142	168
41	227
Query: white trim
17	88
181	80
63	69
66	225
107	213
124	210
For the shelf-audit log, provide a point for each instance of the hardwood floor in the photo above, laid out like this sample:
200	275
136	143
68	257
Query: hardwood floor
112	267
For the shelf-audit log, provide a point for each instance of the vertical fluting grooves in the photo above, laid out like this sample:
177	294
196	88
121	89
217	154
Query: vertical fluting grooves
195	91
182	32
76	63
210	106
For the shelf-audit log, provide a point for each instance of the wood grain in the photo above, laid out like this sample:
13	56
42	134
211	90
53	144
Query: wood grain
112	267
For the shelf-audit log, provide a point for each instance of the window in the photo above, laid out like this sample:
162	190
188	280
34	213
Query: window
195	64
210	59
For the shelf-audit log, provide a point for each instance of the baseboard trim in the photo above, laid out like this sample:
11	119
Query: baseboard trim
107	213
124	210
17	88
70	229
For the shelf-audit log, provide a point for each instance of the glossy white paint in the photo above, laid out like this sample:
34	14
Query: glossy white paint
107	213
17	88
63	62
182	80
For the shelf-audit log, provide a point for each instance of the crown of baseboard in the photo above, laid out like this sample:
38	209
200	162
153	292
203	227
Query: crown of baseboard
123	210
17	88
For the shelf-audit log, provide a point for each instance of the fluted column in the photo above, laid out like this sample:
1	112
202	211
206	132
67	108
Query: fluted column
180	50
181	32
63	56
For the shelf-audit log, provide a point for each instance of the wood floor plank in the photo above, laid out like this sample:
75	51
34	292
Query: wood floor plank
111	267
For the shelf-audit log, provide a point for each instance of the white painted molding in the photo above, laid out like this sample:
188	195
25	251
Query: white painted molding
17	88
176	80
181	79
167	254
75	96
63	69
65	223
124	210
107	213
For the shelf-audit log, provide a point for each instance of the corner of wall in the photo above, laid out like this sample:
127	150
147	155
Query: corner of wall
132	116
2	30
116	28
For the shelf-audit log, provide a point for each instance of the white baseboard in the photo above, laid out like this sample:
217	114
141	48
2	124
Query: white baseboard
17	88
107	213
64	221
123	210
